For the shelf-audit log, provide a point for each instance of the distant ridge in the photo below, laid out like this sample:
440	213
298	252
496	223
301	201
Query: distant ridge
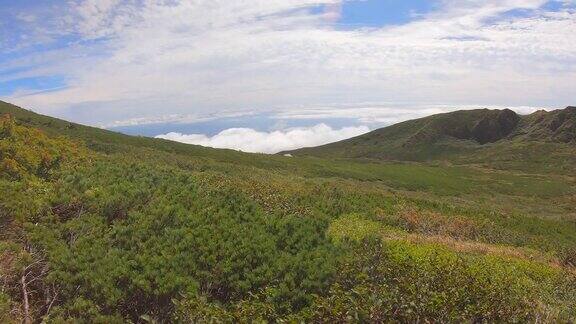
540	142
555	126
470	135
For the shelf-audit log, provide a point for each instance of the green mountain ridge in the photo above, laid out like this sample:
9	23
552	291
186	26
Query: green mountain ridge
461	136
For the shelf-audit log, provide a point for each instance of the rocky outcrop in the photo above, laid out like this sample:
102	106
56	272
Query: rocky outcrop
554	126
482	126
495	127
564	126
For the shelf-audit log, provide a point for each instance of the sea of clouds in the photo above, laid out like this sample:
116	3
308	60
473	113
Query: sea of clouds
250	140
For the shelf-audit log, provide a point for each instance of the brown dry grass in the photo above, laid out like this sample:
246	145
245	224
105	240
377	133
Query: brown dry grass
431	223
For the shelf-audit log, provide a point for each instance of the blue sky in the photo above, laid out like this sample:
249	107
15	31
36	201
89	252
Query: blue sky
379	13
154	66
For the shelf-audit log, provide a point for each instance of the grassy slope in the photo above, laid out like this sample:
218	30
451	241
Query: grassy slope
438	179
529	147
466	209
547	197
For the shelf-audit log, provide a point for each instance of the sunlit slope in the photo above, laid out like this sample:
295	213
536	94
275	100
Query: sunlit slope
103	227
440	179
540	142
96	138
525	190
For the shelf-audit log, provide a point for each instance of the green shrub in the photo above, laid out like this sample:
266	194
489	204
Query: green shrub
6	309
403	282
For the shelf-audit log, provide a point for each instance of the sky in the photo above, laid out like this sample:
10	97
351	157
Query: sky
270	75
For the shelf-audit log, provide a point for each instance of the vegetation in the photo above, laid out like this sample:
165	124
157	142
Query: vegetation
543	142
103	227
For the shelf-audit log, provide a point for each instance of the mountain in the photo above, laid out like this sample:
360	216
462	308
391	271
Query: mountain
557	126
481	136
101	227
95	138
109	142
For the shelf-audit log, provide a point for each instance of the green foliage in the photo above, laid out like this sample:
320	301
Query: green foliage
80	310
5	308
28	158
142	230
414	283
27	152
168	236
197	309
356	228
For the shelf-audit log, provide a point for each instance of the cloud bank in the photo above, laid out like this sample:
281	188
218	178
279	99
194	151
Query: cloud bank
250	140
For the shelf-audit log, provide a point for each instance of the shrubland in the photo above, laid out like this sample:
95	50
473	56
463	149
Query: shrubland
100	227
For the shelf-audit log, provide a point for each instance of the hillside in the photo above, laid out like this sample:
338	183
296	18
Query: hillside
495	138
97	226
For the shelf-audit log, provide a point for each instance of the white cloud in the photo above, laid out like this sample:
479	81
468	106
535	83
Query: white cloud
174	119
147	58
250	140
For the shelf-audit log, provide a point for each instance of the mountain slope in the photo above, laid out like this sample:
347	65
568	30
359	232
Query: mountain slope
99	227
557	126
96	138
109	142
474	136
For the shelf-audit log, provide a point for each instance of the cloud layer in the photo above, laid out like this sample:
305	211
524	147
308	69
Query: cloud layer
126	59
249	140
